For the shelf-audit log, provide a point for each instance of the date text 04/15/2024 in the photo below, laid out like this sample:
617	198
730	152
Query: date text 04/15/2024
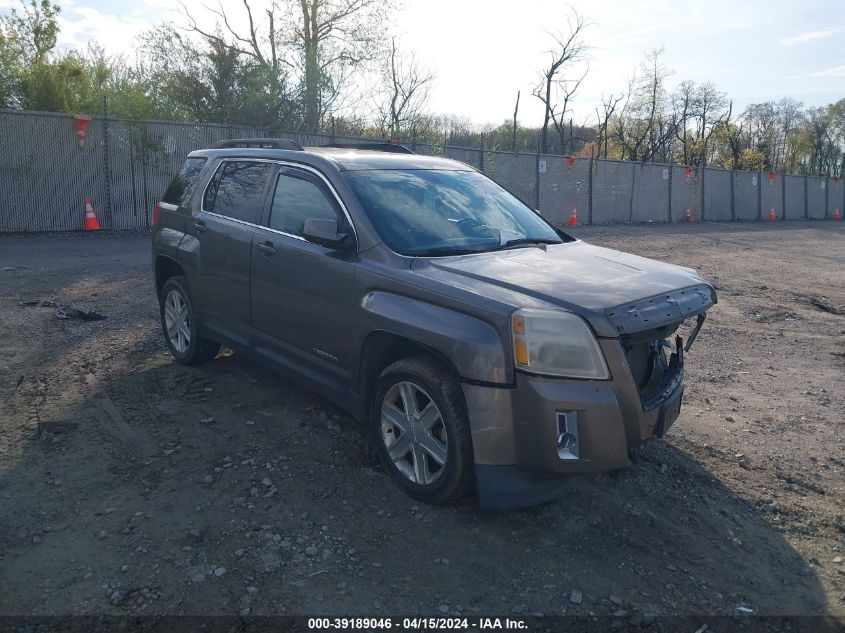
418	623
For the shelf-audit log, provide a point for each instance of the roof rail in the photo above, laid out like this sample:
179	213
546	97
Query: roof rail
392	147
261	143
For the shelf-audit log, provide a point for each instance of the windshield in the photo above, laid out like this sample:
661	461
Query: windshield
445	212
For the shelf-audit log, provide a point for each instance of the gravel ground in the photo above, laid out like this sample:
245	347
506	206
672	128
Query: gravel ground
132	485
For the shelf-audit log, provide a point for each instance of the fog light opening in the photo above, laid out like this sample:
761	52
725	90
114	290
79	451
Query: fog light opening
568	446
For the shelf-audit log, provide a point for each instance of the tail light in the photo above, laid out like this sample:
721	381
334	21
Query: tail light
156	211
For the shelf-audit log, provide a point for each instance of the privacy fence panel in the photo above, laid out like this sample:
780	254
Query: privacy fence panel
686	194
816	204
122	206
613	183
794	201
746	195
564	189
772	192
426	149
717	195
515	172
471	157
650	202
835	197
124	167
44	177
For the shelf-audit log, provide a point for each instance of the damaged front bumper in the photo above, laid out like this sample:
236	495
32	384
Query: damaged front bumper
526	437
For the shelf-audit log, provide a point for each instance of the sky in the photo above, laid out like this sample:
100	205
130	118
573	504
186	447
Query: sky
483	52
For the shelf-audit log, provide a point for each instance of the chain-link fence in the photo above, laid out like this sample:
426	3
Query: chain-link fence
126	165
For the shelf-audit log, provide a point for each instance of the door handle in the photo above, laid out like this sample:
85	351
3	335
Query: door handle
267	248
199	226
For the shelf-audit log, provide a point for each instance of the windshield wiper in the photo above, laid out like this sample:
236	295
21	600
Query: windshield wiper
433	252
531	241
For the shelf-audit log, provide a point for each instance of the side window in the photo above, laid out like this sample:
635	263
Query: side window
299	197
237	190
183	183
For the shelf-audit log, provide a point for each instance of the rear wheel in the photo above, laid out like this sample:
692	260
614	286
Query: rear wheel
179	325
421	427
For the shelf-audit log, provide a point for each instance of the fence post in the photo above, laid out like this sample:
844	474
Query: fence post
701	217
132	178
669	205
633	188
759	195
107	161
806	200
733	195
145	134
843	195
826	195
481	155
590	187
783	195
537	180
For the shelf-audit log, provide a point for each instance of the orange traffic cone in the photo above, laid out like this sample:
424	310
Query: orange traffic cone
91	222
836	215
689	216
573	217
772	215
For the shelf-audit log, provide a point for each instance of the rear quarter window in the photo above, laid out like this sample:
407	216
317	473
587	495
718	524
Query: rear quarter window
183	183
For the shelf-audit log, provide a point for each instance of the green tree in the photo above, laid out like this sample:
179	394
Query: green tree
10	64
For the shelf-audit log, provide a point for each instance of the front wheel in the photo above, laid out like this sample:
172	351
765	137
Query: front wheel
180	327
421	427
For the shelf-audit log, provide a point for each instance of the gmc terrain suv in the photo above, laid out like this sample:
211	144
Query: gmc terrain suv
489	352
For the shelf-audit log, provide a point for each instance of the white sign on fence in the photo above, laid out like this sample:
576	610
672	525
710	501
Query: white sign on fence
666	174
753	181
542	167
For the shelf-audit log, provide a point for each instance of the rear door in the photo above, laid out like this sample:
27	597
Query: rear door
302	292
231	208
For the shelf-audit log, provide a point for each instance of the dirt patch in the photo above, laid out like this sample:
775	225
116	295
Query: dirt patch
132	485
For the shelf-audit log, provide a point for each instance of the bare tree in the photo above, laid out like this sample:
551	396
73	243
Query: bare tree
556	81
650	101
643	131
684	107
733	136
260	42
714	110
790	117
609	105
406	90
317	42
331	37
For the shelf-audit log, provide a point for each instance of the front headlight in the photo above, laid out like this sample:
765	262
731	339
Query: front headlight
556	343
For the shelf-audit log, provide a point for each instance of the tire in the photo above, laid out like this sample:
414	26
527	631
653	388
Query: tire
186	345
419	471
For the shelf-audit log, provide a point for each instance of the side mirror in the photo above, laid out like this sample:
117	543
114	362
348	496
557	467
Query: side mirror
324	232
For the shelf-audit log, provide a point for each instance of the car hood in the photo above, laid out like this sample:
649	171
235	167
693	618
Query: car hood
632	293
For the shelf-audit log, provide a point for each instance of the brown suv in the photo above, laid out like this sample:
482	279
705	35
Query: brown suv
488	351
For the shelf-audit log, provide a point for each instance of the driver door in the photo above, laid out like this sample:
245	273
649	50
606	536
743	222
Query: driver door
302	292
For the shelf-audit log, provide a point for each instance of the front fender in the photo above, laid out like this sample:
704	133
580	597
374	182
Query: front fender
473	346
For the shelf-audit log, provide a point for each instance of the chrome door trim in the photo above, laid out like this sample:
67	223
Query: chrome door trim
287	163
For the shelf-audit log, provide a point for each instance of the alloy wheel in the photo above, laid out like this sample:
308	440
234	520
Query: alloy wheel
177	321
414	433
